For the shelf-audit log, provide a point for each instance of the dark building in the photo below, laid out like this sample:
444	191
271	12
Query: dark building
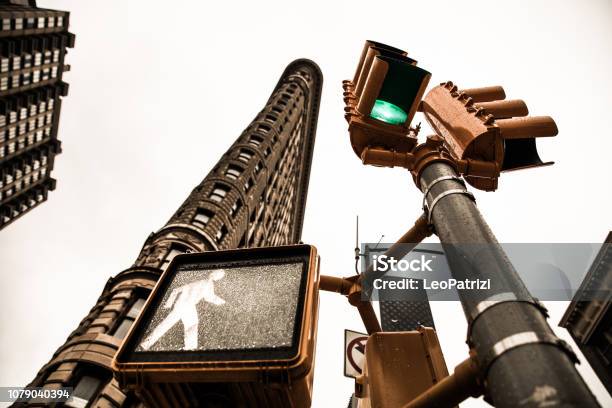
254	196
589	316
33	44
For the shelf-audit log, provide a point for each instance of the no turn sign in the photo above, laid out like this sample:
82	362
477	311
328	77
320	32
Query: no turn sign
354	353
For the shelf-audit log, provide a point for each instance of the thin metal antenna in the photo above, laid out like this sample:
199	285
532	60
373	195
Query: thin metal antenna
378	243
357	233
357	252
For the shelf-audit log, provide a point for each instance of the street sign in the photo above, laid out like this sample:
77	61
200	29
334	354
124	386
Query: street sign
229	317
354	353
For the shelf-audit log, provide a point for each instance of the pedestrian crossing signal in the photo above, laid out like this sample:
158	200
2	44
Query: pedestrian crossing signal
239	319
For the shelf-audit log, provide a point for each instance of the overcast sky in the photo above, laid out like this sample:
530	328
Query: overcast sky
159	90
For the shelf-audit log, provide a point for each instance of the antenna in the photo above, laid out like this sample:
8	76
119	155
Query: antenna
357	238
378	243
357	252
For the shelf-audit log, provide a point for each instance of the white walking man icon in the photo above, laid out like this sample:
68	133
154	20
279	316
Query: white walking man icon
187	297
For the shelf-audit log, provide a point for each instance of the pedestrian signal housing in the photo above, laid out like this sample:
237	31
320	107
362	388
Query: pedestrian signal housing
237	327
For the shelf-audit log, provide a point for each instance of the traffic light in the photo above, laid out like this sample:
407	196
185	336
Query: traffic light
371	49
399	366
236	327
382	99
479	125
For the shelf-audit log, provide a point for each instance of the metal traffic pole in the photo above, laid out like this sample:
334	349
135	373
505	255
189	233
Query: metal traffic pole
357	293
521	361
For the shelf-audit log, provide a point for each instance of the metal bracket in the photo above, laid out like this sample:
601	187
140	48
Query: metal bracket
428	209
521	339
495	300
436	181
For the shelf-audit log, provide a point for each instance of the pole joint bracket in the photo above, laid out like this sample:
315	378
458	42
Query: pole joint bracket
518	340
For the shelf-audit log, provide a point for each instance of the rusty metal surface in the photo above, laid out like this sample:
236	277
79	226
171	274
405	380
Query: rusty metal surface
400	366
479	125
406	315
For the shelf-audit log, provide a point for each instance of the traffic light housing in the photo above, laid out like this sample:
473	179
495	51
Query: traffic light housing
382	99
480	125
399	366
239	325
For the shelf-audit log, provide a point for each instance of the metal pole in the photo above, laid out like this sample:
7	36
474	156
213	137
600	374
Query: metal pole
415	235
522	362
451	390
401	248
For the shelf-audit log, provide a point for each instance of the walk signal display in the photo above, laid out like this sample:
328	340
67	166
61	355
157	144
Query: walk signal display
240	316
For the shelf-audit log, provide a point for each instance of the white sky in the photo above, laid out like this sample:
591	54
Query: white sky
159	91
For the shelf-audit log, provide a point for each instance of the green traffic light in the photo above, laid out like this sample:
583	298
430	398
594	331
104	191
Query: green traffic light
388	113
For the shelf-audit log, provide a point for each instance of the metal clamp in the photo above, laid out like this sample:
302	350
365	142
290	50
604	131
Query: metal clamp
492	301
429	208
495	300
521	339
436	181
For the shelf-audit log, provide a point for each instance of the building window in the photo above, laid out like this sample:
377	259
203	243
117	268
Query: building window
84	392
221	233
174	251
219	192
248	184
258	167
242	241
264	128
236	207
245	155
233	172
255	140
129	318
202	217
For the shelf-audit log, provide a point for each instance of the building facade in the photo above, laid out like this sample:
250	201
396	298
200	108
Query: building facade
254	196
33	43
589	316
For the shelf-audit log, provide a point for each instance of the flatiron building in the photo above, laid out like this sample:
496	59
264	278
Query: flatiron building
254	196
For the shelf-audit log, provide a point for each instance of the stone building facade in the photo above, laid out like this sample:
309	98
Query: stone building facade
254	196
